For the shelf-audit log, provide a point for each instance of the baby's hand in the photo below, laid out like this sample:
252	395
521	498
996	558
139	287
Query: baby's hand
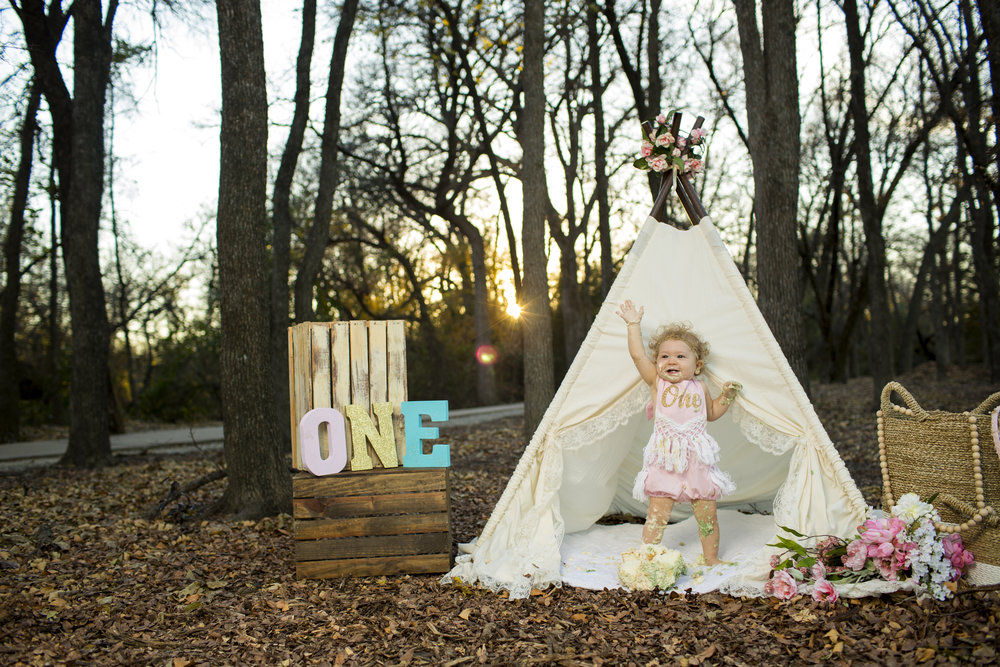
628	312
730	390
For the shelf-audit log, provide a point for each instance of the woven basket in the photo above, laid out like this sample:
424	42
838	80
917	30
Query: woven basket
949	454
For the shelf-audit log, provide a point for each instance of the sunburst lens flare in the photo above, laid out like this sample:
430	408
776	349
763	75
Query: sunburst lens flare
487	355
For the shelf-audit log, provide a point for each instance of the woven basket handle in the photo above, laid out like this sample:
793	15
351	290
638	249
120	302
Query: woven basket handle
987	406
907	397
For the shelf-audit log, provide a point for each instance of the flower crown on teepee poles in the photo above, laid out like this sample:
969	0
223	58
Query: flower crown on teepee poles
676	158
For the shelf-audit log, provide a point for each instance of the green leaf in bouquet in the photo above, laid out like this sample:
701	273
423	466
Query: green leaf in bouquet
792	531
641	164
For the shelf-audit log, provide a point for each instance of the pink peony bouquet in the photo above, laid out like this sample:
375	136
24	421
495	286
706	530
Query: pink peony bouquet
662	151
899	546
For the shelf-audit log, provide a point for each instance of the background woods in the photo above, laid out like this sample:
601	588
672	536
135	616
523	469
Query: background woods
856	184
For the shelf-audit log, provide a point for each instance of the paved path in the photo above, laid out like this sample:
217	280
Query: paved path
20	455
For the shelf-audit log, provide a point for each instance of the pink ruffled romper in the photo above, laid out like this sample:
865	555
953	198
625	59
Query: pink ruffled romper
681	459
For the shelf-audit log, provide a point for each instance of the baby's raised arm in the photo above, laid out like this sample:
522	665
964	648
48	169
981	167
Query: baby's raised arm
633	316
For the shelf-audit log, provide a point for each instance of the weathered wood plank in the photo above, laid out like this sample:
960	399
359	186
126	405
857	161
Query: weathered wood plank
340	372
321	381
359	362
360	526
372	547
396	351
360	378
378	371
374	505
366	567
302	381
385	481
292	419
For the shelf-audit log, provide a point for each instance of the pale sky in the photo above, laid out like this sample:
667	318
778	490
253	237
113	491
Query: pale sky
168	150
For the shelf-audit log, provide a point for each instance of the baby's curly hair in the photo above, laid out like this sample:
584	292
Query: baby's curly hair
681	331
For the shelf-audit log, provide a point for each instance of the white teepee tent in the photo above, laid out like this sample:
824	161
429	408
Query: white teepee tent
583	458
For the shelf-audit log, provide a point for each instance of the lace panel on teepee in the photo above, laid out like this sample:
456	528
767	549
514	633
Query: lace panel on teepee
760	434
616	415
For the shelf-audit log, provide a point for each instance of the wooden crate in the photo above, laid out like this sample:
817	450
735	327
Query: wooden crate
382	521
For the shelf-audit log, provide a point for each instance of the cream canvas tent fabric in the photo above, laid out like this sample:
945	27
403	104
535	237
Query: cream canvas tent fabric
583	458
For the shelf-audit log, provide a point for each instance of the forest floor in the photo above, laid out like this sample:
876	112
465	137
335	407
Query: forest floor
85	578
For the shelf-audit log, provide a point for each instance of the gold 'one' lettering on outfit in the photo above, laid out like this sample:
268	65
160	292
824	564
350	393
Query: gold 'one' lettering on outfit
683	399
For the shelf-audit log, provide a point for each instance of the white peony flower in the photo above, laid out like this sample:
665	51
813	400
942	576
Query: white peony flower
909	508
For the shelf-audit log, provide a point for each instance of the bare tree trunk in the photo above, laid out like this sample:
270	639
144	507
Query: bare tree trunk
936	241
654	90
984	236
282	217
121	301
640	95
78	154
536	322
597	89
486	388
771	77
989	14
53	353
329	170
957	318
880	357
259	483
10	414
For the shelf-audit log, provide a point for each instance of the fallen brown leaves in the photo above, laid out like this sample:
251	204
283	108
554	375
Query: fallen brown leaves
86	579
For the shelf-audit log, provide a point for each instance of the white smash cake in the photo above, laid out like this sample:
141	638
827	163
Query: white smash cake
650	566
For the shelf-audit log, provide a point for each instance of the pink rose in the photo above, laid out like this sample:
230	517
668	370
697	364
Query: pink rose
646	149
661	119
882	550
823	591
818	571
960	557
875	531
657	163
697	135
857	554
681	142
783	586
664	140
694	166
775	561
677	152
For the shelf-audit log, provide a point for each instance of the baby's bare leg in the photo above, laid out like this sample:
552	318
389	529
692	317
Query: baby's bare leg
656	519
708	529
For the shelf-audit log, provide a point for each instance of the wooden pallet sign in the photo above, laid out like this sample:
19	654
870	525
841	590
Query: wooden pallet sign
356	511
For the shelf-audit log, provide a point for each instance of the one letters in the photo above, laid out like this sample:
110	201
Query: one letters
416	433
336	440
382	438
